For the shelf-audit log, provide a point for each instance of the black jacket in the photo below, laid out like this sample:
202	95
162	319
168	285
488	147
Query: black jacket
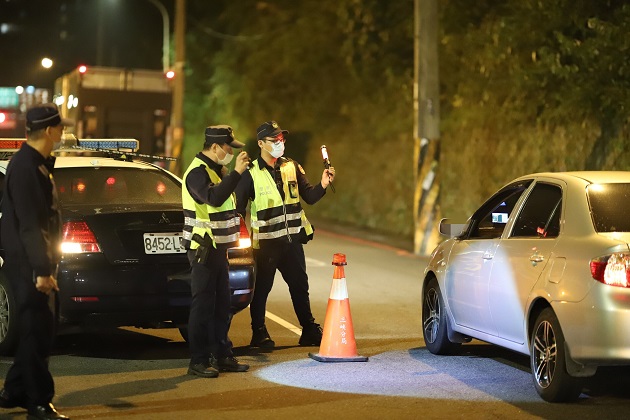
31	220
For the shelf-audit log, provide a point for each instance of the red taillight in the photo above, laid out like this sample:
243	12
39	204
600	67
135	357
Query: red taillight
78	238
244	241
83	299
613	270
160	188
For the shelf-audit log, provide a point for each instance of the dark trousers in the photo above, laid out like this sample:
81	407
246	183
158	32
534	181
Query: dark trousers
210	315
29	379
288	258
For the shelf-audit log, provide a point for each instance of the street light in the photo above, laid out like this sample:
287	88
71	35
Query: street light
47	63
165	33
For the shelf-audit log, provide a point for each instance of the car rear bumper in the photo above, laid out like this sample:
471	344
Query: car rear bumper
242	279
596	329
132	295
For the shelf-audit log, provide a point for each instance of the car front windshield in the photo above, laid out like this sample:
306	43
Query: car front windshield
609	206
115	186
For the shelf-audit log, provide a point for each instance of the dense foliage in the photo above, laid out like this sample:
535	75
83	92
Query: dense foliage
525	86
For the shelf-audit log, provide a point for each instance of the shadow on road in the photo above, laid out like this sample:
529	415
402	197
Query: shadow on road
118	343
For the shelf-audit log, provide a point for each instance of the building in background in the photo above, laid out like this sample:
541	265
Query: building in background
14	101
110	102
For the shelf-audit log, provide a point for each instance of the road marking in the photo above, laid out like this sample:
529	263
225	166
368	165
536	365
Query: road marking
284	323
312	262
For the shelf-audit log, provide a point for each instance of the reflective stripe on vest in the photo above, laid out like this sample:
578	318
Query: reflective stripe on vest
222	224
272	218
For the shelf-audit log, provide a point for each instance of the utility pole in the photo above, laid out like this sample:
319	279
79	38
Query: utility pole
426	95
177	126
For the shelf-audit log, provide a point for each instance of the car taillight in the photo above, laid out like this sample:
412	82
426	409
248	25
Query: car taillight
78	238
613	269
244	241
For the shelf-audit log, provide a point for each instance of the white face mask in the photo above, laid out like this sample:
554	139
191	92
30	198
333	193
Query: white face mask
277	150
226	159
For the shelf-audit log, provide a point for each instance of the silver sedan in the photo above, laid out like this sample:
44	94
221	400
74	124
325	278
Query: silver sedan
541	268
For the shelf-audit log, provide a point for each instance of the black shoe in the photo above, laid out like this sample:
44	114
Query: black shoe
229	364
261	338
311	335
45	412
6	401
203	371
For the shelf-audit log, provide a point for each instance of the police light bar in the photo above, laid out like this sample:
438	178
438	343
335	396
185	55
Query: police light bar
109	144
7	144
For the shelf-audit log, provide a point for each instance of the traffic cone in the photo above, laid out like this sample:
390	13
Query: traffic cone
338	343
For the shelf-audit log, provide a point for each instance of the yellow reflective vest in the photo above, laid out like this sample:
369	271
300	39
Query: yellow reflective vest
271	217
222	224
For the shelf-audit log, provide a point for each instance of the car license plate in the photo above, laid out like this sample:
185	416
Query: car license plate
163	243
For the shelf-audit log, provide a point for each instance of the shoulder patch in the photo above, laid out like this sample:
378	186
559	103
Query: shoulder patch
301	169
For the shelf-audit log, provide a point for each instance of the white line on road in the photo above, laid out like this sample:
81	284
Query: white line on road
312	262
285	324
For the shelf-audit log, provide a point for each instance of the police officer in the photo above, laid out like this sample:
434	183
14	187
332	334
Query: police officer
31	238
274	185
211	226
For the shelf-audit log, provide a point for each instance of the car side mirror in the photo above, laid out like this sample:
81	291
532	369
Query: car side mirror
450	229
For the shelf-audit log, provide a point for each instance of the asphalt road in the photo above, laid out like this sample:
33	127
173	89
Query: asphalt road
141	374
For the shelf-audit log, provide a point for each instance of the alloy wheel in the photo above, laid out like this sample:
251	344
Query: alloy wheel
432	315
545	354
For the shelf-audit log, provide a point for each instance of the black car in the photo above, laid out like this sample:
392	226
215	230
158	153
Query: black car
123	264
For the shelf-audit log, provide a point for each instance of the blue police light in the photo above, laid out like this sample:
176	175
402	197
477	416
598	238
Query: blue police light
113	144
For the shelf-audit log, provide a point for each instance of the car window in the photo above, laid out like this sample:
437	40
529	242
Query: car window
116	186
609	208
490	220
540	215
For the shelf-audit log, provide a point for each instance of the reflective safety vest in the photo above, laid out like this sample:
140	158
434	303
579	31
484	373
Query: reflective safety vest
271	217
222	224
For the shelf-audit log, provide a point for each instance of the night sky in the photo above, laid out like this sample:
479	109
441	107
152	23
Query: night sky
67	32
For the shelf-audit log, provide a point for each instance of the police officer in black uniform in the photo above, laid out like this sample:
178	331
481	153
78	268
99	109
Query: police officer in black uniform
211	226
274	186
31	238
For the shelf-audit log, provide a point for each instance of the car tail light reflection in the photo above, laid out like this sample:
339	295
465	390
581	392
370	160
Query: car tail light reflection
613	269
245	241
78	238
82	299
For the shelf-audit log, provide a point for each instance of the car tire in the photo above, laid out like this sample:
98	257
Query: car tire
8	318
548	361
435	321
184	333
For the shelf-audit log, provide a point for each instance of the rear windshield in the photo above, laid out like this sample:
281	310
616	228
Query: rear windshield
115	186
609	207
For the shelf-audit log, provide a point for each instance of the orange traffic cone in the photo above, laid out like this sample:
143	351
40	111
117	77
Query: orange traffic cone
338	343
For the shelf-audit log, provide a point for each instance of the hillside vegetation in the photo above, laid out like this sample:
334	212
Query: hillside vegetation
526	86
